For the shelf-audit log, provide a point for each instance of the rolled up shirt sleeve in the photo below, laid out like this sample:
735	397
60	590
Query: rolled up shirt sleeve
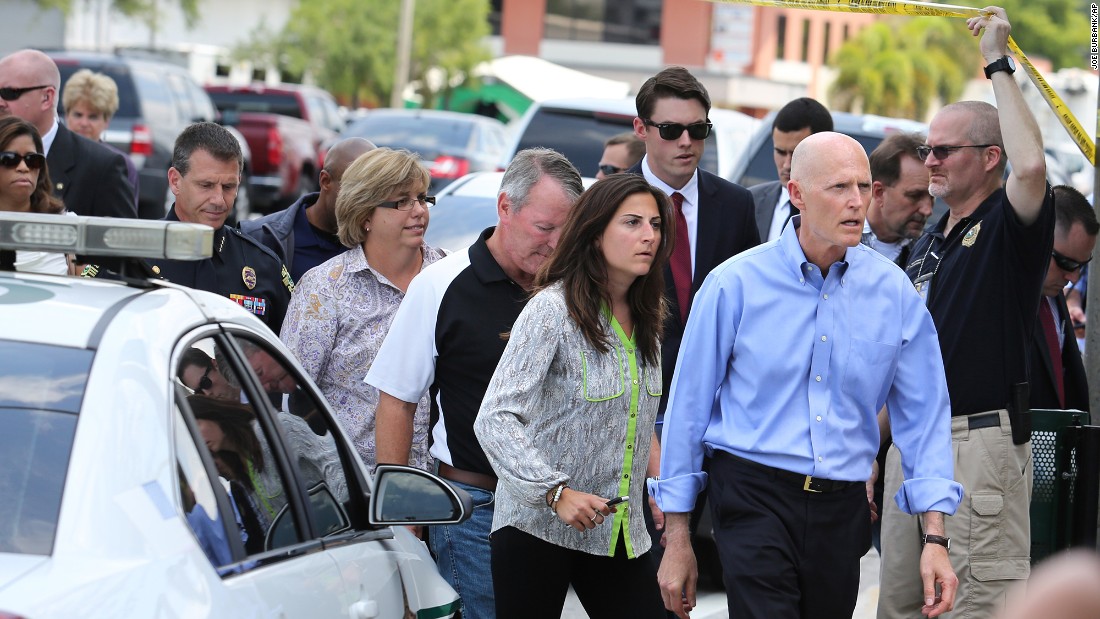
920	417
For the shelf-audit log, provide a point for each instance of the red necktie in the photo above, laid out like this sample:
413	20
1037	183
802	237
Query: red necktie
681	259
1046	318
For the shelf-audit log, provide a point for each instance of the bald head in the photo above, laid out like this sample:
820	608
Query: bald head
323	213
35	73
825	151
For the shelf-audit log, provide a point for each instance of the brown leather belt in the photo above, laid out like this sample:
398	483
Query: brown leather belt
470	478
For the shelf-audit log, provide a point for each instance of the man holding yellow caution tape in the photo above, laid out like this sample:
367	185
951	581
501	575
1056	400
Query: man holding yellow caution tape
980	270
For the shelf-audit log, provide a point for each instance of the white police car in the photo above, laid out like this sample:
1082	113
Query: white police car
123	493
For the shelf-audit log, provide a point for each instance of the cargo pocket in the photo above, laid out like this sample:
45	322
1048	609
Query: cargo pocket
988	538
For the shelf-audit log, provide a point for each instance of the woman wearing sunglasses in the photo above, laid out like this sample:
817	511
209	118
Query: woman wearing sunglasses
25	188
567	420
341	310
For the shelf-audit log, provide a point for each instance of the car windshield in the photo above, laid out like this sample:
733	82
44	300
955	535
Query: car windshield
41	388
457	220
580	137
420	134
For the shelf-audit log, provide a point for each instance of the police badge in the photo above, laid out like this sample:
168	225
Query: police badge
971	235
248	274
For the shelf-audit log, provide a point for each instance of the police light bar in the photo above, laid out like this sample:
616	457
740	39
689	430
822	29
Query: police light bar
106	236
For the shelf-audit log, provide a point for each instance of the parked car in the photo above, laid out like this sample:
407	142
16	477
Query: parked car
451	144
577	128
156	101
117	499
286	126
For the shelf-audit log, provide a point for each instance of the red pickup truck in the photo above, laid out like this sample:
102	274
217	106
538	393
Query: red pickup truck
285	127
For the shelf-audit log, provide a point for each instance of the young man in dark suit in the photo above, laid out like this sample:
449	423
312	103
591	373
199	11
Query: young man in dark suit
88	177
1058	378
795	121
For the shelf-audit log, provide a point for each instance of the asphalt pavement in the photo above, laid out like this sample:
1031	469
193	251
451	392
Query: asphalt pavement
712	604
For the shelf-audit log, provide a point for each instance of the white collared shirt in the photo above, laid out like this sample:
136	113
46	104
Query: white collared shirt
779	215
48	137
690	206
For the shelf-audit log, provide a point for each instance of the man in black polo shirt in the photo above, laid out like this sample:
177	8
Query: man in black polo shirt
980	270
447	336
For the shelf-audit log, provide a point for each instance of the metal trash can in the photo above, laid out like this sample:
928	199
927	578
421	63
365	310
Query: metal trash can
1054	438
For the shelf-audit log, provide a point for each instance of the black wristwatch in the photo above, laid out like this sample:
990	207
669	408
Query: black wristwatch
1004	63
936	539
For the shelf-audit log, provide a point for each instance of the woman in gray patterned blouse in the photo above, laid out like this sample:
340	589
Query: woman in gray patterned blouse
567	421
341	310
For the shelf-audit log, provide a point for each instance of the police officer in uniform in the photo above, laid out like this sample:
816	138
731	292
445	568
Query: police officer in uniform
204	177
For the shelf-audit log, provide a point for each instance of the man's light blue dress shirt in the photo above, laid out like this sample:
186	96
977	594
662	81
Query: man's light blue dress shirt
786	366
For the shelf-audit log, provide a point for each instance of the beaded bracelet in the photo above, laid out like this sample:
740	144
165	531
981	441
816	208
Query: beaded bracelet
557	495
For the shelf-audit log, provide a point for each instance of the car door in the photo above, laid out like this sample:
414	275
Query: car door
256	529
329	473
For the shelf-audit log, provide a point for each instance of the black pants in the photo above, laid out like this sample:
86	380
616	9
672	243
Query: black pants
532	577
786	552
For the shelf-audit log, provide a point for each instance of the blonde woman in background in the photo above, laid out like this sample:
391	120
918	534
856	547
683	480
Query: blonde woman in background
91	101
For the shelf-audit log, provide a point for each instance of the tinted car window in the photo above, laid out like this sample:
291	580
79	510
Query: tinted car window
41	388
579	135
127	98
160	108
426	136
285	105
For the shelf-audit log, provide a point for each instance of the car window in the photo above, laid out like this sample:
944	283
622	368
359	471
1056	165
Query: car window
427	136
458	220
244	101
308	437
761	164
183	97
128	102
159	104
41	388
232	431
579	135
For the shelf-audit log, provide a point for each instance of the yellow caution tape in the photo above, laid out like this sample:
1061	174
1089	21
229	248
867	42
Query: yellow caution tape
930	9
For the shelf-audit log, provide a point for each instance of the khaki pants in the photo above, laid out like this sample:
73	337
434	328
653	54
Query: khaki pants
990	533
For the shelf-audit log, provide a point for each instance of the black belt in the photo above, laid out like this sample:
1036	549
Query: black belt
802	482
470	478
984	420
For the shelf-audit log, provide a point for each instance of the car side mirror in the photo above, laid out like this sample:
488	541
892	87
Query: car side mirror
403	495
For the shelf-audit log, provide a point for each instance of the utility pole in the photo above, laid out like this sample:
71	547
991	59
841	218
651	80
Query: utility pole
404	51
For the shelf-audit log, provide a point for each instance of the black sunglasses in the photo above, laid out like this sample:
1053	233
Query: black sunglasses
673	131
943	152
205	383
34	161
609	169
407	204
11	94
1067	264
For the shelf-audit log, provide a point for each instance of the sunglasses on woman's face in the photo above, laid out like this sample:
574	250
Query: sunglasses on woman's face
34	161
205	383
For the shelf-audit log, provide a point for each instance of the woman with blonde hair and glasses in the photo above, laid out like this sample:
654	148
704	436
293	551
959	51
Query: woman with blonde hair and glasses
341	310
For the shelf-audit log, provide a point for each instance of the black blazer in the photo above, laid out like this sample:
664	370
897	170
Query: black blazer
765	195
89	177
1043	392
725	226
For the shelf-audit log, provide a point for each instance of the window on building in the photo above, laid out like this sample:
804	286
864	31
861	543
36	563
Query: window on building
825	50
781	37
496	8
845	33
805	40
610	21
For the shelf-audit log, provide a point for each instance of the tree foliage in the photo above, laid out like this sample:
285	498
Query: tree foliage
898	67
145	10
350	46
1054	29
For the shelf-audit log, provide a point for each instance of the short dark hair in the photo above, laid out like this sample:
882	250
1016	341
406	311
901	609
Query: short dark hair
210	137
885	160
670	82
635	146
1070	207
194	357
801	113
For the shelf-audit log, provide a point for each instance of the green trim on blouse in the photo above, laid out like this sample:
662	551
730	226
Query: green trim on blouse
621	526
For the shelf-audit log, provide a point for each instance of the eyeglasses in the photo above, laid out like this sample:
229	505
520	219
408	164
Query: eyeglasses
673	131
11	94
609	169
1067	264
205	383
34	161
407	204
943	152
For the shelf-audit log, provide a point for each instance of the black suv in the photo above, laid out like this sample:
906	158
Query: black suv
156	101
